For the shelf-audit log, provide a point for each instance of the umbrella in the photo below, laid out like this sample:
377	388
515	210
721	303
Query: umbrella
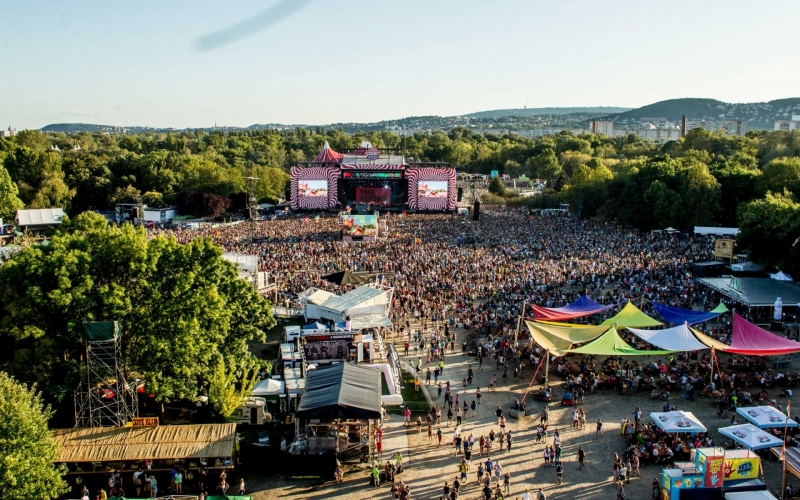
751	437
344	278
766	417
677	421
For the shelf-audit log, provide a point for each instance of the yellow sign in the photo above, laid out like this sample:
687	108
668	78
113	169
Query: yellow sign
145	422
724	248
740	468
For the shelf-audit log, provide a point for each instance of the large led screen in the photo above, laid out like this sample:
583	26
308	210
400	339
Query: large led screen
360	225
432	189
312	188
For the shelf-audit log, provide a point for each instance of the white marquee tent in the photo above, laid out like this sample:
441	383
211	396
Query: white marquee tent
679	338
677	421
766	417
751	437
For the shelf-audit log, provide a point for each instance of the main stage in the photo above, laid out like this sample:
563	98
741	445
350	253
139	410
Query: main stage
366	179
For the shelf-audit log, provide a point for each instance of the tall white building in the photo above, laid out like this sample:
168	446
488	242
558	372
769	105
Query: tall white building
11	132
603	127
788	125
733	127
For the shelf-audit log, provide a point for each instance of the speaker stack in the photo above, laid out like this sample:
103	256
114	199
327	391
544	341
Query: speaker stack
476	210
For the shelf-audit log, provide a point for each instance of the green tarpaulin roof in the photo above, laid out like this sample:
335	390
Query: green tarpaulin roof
611	344
632	316
720	309
102	330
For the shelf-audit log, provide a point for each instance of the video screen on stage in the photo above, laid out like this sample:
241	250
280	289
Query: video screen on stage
432	189
360	225
312	188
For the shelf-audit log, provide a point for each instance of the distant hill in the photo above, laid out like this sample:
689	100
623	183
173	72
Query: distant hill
72	128
501	113
758	115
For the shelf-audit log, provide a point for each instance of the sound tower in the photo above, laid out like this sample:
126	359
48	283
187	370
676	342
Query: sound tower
460	193
476	210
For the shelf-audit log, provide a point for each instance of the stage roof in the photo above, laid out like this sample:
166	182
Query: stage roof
756	292
352	299
110	444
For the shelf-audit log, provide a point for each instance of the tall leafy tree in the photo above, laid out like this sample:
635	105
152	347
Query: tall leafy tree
181	306
27	449
9	202
769	226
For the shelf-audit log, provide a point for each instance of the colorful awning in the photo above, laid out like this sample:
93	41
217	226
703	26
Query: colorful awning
677	315
631	316
584	306
679	338
749	339
611	344
558	340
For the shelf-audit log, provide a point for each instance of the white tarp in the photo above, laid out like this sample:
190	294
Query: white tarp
765	417
751	437
39	216
679	338
677	421
722	231
244	261
268	387
780	276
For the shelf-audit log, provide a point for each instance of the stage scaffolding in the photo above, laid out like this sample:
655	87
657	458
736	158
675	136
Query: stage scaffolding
104	398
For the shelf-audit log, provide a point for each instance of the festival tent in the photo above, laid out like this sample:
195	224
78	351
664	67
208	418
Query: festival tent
677	421
327	155
558	340
714	344
562	324
610	344
720	309
584	306
679	338
748	339
631	316
574	335
344	278
677	315
316	325
780	276
269	389
750	436
766	417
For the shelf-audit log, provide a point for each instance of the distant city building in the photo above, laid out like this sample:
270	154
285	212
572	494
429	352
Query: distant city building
733	127
603	127
692	124
653	133
788	125
11	132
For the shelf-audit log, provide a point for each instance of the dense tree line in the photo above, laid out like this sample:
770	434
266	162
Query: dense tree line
704	179
183	309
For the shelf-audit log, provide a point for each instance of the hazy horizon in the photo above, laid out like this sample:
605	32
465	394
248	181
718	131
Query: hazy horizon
188	64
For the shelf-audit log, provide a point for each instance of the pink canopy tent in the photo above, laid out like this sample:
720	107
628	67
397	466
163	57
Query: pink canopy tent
327	155
584	306
750	339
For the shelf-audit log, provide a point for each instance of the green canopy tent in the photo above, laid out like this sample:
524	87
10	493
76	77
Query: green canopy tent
720	309
611	344
632	316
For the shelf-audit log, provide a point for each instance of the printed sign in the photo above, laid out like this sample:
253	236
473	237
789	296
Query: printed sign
740	468
145	422
714	472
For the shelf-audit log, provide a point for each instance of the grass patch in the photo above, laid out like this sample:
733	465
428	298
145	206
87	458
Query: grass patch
416	401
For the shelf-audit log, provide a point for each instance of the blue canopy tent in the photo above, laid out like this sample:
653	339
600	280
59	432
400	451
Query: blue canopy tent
680	316
584	306
316	325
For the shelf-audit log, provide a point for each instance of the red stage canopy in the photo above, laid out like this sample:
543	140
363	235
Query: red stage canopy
327	155
749	339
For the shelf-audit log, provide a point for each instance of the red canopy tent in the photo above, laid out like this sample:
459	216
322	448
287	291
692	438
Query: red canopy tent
584	306
749	339
327	155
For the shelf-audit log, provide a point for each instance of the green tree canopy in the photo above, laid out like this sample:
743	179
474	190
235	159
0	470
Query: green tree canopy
181	306
9	202
27	449
768	228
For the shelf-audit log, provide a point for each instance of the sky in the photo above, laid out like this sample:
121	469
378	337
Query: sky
183	63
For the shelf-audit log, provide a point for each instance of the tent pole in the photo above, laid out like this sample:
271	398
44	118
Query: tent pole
712	370
519	323
546	368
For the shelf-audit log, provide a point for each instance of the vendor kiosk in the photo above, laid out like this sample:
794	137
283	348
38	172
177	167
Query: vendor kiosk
711	469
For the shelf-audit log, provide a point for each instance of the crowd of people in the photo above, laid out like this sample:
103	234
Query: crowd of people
451	272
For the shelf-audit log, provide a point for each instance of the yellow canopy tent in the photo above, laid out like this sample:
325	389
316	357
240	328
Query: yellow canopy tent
632	316
574	335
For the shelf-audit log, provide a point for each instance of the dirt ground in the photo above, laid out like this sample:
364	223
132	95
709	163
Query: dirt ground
429	466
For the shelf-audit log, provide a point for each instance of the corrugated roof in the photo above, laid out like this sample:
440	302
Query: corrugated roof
352	299
39	216
106	444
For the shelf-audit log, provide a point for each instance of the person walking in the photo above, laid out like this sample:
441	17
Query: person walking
508	441
599	431
559	472
581	457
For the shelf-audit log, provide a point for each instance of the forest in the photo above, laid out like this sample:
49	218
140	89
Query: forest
704	179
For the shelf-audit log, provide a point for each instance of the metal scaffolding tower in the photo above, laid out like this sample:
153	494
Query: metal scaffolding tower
252	203
104	397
